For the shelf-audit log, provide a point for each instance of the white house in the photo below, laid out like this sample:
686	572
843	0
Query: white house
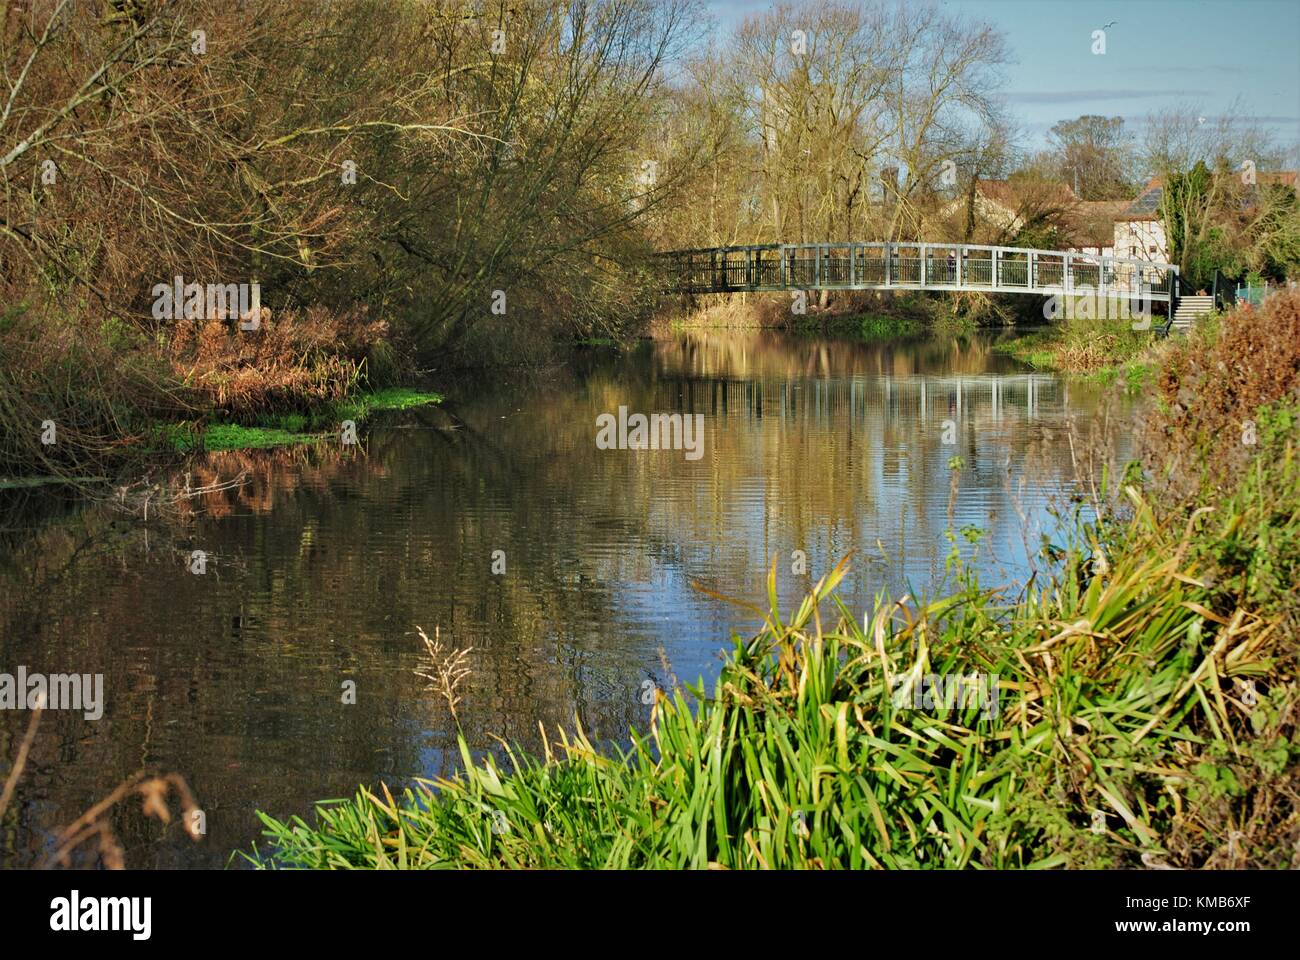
1139	232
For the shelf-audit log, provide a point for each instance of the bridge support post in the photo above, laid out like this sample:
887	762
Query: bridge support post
781	255
853	265
997	268
1031	282
1171	280
923	252
889	265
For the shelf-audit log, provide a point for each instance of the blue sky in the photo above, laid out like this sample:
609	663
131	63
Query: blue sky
1160	53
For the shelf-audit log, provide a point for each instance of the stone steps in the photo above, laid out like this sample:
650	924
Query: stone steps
1190	309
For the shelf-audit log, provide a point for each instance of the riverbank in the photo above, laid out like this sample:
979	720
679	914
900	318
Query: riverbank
1135	709
165	441
297	428
853	313
79	399
859	314
1100	351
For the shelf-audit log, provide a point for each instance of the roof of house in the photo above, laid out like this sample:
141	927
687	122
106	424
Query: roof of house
1147	205
1091	223
1013	194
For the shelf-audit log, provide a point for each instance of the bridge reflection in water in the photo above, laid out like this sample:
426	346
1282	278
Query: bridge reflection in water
909	397
812	445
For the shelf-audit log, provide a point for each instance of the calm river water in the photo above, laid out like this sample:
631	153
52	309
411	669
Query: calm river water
322	564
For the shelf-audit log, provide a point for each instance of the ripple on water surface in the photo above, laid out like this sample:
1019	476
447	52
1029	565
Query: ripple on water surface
322	566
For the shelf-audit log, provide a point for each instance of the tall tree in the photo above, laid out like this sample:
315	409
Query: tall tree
1094	155
1220	209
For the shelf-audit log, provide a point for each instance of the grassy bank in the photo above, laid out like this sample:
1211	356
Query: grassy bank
81	399
186	437
1137	708
1104	351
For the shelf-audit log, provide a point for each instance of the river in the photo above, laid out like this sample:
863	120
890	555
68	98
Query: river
567	568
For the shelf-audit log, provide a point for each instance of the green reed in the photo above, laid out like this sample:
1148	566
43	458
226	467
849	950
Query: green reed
1121	699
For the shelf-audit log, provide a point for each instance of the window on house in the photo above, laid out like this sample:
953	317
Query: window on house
1151	249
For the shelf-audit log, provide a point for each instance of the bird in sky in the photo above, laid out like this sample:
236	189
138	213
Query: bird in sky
1109	25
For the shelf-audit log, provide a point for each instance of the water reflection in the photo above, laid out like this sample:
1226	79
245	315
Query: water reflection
324	561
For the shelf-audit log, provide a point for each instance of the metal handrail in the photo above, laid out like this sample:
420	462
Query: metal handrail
923	265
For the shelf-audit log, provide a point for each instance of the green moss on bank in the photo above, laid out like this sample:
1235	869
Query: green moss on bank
875	327
233	436
862	326
287	429
1035	349
391	398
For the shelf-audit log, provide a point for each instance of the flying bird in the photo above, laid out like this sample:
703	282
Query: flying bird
1109	25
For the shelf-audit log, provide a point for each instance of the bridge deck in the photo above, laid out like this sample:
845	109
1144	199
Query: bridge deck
916	266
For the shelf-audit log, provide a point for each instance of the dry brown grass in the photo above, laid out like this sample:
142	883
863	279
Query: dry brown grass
450	667
1212	384
1085	356
751	311
740	311
292	361
103	384
153	792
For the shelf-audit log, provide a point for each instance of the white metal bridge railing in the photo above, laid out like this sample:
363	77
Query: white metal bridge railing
925	266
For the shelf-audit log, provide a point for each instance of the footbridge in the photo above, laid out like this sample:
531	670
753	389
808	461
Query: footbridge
917	266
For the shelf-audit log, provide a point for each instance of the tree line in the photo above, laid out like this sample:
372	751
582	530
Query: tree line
416	184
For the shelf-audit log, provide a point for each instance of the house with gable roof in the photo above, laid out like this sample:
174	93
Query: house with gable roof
1140	230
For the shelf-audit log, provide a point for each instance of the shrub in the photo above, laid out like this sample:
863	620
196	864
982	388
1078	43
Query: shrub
96	382
1211	389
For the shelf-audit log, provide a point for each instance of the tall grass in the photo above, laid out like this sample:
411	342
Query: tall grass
1143	717
1095	347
